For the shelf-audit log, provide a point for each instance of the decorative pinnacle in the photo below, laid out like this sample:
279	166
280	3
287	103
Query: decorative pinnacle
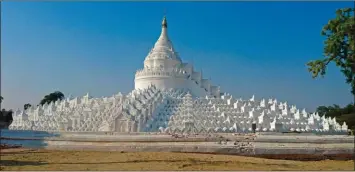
164	23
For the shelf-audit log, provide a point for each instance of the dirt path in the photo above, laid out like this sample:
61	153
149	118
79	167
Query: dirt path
25	159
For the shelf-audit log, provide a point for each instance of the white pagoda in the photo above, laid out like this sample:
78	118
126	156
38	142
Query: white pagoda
169	96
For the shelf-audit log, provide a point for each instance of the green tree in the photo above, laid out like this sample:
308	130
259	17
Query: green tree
26	106
339	47
52	97
322	110
334	111
348	109
345	114
6	117
1	99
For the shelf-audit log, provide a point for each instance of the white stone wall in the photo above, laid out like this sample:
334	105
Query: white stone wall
172	110
161	82
168	82
90	114
225	114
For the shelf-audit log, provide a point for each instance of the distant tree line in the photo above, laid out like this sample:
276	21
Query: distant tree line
342	114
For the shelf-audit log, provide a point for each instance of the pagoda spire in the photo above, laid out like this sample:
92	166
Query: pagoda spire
164	23
163	50
164	29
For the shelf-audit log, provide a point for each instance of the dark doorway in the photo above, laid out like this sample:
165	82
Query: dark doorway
253	126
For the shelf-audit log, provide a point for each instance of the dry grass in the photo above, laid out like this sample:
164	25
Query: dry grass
89	160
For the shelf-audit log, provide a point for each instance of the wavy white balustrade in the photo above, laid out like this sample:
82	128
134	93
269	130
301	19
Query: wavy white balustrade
171	110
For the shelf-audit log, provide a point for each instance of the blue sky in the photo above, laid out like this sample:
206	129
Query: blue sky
247	48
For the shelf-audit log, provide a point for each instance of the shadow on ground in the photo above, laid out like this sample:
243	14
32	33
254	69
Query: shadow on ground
20	163
21	152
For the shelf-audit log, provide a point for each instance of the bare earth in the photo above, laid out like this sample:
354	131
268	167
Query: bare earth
24	159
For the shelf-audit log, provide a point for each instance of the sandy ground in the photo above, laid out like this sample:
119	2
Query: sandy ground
24	159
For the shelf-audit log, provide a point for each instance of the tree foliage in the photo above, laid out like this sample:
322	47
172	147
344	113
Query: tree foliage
26	106
339	47
342	114
1	99
6	117
52	97
335	110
